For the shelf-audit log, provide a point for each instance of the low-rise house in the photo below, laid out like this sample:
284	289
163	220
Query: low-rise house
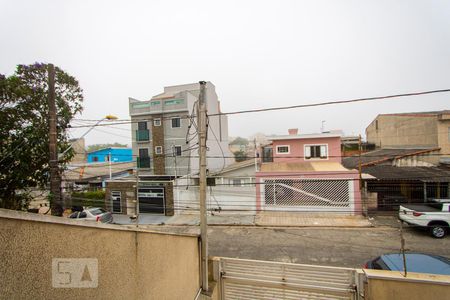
113	154
94	176
230	190
304	173
401	176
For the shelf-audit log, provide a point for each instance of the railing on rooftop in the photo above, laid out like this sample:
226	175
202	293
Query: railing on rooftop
143	162
142	135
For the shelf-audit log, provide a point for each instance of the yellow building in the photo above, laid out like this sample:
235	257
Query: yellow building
413	130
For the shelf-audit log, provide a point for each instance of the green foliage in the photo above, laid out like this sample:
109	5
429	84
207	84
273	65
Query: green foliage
95	147
239	141
89	198
240	156
24	133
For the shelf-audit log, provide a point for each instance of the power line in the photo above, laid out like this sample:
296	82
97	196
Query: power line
365	99
333	102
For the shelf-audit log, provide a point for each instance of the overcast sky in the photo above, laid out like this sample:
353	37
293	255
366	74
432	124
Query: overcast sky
257	53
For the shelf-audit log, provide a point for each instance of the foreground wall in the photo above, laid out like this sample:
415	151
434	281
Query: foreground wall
385	285
132	263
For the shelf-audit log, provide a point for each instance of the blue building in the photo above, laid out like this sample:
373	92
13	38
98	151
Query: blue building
115	154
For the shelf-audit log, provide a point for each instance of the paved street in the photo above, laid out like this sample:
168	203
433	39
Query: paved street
345	247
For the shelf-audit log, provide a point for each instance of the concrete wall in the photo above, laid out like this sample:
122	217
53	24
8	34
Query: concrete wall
386	285
403	130
79	149
297	149
132	263
444	135
230	199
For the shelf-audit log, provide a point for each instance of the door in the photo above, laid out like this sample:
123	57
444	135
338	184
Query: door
116	202
151	200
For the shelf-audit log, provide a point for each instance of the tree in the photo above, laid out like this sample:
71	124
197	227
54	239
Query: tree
24	129
239	141
95	147
240	156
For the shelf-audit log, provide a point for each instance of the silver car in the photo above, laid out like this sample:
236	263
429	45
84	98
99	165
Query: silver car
97	214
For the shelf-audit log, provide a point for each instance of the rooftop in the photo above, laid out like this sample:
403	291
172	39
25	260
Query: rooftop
334	133
419	114
94	171
320	166
122	148
424	174
383	156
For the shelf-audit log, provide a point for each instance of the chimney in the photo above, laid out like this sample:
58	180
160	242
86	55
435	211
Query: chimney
293	131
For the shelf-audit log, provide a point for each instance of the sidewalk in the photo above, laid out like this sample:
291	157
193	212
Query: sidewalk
263	219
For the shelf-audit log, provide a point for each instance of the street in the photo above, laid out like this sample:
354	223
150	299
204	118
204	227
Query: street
342	247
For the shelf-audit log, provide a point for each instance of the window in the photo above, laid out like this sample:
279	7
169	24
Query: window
116	201
176	150
142	134
176	122
283	150
74	215
237	182
143	152
142	125
95	158
267	154
97	211
143	160
174	102
158	150
316	151
82	214
157	122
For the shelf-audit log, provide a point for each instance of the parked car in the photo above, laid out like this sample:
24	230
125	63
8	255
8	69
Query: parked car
93	213
435	215
415	262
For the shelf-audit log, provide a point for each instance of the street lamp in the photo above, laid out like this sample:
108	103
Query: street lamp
60	156
107	117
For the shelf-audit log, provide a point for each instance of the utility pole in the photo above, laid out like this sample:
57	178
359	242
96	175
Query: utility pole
256	155
402	243
55	179
362	193
201	120
110	167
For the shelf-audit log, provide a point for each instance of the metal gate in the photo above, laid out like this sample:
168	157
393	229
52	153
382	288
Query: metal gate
151	200
307	194
252	279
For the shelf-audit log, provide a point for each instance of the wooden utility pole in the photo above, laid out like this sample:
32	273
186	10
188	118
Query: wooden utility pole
55	179
201	120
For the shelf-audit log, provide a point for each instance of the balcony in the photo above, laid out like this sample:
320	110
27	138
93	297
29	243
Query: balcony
143	162
142	135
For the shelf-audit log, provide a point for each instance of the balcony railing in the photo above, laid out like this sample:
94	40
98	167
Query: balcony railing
142	135
143	162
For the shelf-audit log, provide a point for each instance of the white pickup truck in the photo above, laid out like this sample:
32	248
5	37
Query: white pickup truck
434	214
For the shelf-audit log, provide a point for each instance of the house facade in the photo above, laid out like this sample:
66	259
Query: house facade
112	154
413	130
164	131
305	174
165	147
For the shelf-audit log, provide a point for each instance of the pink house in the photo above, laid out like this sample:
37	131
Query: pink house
303	172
